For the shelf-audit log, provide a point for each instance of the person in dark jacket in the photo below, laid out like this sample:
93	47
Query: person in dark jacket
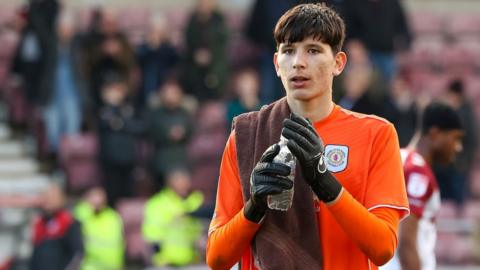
157	57
57	237
108	51
170	128
205	66
35	57
381	26
402	110
118	128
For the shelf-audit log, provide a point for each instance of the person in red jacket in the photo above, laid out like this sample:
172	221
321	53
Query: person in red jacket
57	238
349	194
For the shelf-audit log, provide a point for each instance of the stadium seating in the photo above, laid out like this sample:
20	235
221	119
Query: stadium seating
131	212
78	158
425	23
466	23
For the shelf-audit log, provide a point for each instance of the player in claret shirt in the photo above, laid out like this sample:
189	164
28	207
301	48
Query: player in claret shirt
438	142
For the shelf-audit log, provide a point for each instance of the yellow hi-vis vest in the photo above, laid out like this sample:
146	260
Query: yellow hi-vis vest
167	223
103	238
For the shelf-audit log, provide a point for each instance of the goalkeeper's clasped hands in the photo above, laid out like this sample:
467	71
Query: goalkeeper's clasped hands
270	178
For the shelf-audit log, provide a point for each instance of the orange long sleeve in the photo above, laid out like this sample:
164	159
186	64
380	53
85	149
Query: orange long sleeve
374	232
226	244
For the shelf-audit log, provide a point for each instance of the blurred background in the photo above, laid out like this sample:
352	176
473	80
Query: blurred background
125	107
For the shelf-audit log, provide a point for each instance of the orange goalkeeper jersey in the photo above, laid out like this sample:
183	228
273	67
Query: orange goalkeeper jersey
363	153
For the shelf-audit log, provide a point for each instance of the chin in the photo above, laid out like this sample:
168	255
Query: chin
301	94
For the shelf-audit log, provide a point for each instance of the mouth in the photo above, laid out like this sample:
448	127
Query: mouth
299	78
299	81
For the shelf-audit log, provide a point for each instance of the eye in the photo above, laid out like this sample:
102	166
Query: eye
313	51
287	51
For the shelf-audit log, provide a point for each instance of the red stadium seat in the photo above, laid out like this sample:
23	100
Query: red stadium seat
9	41
78	157
466	23
454	248
427	22
472	210
135	247
207	147
134	18
475	182
447	210
131	212
205	179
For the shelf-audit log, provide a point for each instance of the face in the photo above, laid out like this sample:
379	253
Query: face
52	199
157	31
206	6
109	22
114	93
171	95
447	145
247	84
65	30
179	181
97	198
307	68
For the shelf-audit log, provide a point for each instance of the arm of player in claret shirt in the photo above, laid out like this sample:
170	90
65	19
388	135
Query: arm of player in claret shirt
407	247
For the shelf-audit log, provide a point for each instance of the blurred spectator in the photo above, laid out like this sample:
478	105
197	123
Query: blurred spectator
102	230
169	128
57	238
63	113
454	178
118	128
382	35
400	108
157	58
36	54
111	53
205	66
263	17
167	227
246	87
357	84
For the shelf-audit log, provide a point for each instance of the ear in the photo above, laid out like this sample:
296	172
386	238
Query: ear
434	134
340	62
275	63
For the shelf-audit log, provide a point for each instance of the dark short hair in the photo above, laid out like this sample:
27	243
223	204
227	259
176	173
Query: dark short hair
456	86
311	20
112	77
441	116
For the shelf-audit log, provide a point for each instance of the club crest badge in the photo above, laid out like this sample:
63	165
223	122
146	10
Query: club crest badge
336	157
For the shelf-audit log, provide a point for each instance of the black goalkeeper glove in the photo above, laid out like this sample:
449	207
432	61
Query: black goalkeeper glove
267	178
308	148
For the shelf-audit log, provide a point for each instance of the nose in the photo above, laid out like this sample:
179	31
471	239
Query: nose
299	61
459	147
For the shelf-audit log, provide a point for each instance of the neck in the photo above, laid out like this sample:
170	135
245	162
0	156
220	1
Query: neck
422	147
315	109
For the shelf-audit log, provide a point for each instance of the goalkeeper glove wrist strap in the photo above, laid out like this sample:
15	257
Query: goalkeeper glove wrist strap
327	187
253	213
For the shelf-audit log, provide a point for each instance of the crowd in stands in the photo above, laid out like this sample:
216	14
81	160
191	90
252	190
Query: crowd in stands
134	110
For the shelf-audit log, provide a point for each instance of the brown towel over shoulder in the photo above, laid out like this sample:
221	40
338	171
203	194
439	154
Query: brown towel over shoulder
287	240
